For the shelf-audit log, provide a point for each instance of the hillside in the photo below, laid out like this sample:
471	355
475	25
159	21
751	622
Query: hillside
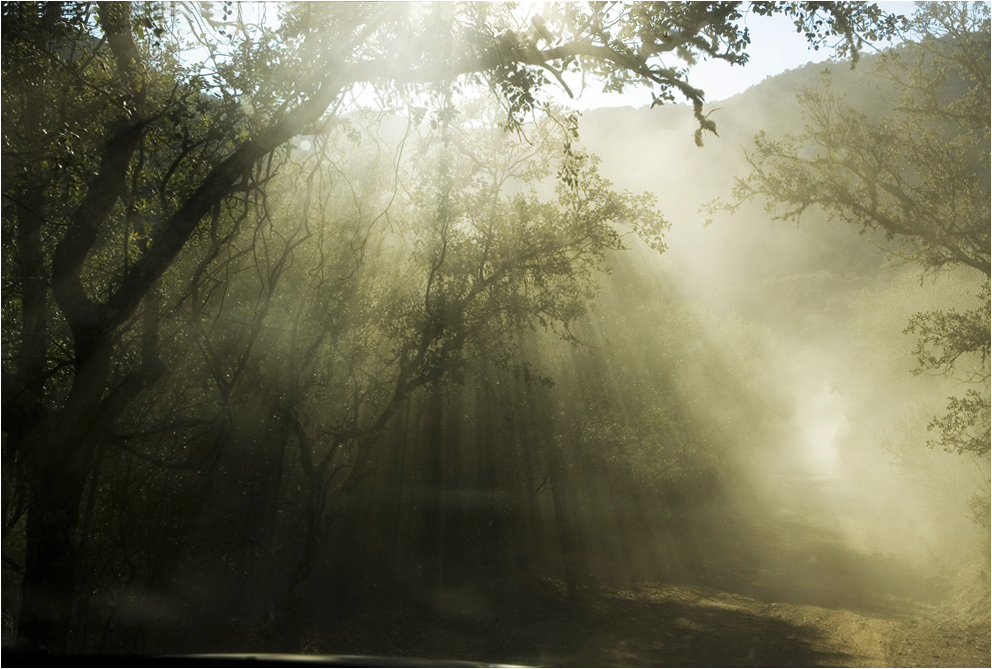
835	304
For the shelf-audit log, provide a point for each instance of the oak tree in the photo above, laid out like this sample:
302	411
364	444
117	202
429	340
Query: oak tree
131	130
920	176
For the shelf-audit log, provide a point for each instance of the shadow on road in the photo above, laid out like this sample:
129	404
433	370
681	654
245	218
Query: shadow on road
669	626
686	627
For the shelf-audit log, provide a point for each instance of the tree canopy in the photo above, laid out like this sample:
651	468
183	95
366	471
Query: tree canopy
150	232
920	175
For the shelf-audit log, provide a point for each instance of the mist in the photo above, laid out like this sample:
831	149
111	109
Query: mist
830	303
421	364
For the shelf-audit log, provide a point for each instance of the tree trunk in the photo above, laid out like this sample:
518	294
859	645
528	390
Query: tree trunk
567	539
51	563
430	490
58	459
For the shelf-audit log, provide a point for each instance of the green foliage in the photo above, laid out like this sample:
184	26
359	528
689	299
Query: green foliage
857	23
946	336
922	186
208	325
965	426
920	175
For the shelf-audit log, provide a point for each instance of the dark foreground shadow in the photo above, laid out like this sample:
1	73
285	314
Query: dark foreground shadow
673	627
665	627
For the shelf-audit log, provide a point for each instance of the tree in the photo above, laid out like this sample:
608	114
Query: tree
920	175
119	152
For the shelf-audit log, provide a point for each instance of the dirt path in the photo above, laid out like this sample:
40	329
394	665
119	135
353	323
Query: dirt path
696	627
814	598
669	626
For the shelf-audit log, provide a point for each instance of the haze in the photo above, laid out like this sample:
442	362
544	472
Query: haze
352	333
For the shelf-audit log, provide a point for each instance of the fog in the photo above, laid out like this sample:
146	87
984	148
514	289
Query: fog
830	303
349	340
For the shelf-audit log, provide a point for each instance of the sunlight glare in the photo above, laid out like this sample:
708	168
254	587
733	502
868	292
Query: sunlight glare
823	420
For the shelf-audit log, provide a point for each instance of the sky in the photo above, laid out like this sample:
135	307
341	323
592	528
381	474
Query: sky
775	48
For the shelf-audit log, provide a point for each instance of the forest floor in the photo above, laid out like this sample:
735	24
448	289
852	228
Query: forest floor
671	626
814	596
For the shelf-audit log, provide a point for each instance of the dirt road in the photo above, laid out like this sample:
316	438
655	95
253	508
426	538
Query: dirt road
813	597
669	626
695	627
